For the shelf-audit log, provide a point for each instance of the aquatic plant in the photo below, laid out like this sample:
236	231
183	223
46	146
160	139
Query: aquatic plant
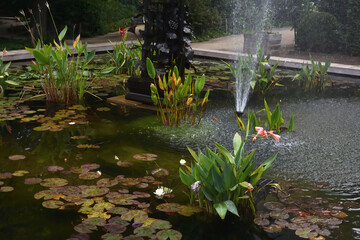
181	100
314	77
4	74
221	181
125	58
265	75
63	79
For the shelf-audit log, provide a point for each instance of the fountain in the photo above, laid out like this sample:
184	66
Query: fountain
249	17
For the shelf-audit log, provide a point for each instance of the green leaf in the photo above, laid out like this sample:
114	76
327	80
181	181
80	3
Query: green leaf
268	114
221	209
291	124
231	207
11	82
62	34
217	179
229	177
90	56
40	57
150	68
186	178
107	70
225	153
193	154
237	142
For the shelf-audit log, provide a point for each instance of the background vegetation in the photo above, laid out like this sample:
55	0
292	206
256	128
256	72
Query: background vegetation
213	18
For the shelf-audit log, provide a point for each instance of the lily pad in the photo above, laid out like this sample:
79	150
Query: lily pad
88	146
306	233
144	231
117	210
142	185
123	163
147	179
274	205
115	228
90	166
160	172
189	210
339	214
95	221
261	221
54	182
168	234
20	173
30	181
6	189
16	157
146	157
112	236
107	182
169	207
129	181
52	204
89	175
55	168
273	228
94	191
6	175
85	228
136	215
141	194
46	194
279	215
161	224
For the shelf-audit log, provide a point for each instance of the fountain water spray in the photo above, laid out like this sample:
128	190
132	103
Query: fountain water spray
248	15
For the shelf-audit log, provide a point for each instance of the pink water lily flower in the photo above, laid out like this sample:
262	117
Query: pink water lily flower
275	136
261	132
4	52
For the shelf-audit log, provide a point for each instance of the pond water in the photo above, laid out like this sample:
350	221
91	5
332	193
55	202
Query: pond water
323	149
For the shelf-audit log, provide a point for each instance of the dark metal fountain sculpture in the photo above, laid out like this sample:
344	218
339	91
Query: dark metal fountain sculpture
167	39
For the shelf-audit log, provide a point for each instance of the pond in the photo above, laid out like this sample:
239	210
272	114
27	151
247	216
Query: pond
320	160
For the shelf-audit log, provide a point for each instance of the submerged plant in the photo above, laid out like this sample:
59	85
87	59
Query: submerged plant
314	77
220	180
181	100
125	59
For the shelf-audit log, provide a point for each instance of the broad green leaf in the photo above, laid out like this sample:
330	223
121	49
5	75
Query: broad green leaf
221	209
62	34
237	142
193	154
291	124
107	70
225	153
229	177
231	207
268	114
186	178
40	57
11	82
217	180
150	68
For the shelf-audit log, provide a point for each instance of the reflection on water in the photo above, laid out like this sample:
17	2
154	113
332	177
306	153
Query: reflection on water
323	148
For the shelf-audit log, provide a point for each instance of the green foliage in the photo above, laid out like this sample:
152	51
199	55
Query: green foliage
63	76
4	75
265	75
318	32
181	100
314	77
125	58
274	119
224	181
95	16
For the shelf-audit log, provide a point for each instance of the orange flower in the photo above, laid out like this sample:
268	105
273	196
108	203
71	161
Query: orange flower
261	132
275	136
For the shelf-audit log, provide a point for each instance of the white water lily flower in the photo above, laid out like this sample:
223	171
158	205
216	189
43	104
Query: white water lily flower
182	161
161	191
116	157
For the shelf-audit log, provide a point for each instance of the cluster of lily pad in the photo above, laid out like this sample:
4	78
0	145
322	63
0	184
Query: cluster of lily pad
310	218
114	207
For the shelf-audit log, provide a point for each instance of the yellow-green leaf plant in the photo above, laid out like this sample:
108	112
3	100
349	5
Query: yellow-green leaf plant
178	100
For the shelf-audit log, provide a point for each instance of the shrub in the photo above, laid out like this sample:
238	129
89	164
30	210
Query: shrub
318	31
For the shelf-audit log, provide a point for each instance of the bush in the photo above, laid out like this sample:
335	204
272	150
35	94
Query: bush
318	32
